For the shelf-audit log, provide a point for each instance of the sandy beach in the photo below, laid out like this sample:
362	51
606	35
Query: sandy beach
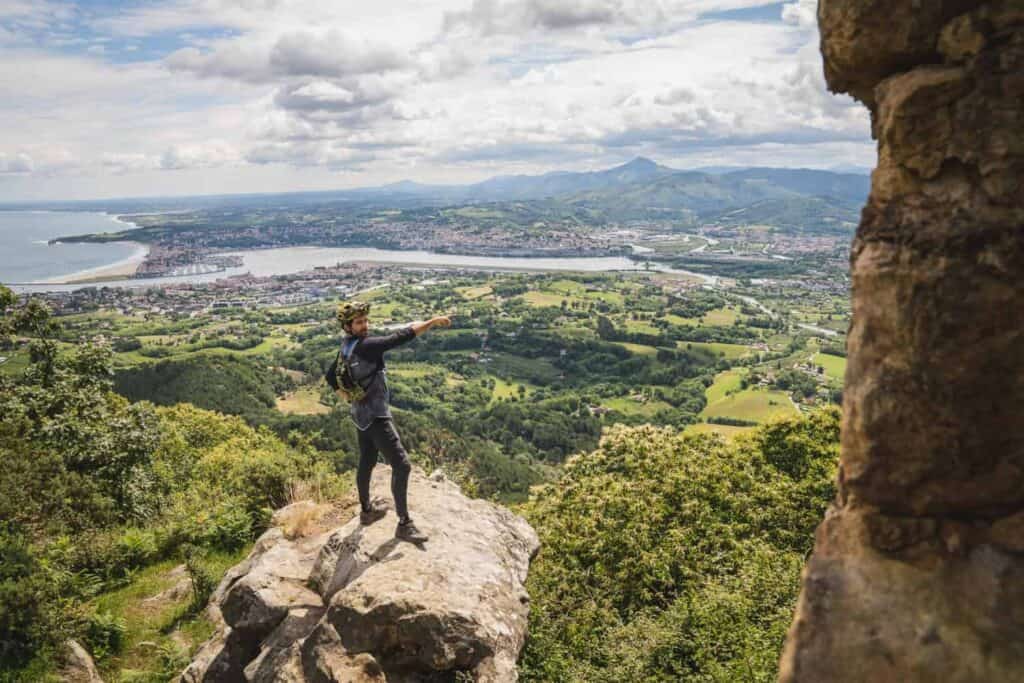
115	271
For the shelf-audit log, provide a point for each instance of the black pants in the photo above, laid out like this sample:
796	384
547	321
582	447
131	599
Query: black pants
382	437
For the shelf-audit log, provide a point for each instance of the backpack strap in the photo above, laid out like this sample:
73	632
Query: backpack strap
346	353
349	346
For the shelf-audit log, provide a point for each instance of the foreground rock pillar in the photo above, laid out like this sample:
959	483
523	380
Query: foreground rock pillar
918	568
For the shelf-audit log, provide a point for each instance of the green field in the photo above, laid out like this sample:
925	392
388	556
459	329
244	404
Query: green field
541	299
674	319
411	369
567	287
638	349
474	292
517	367
266	346
721	317
17	362
580	290
755	405
506	389
553	294
727	431
628	406
302	401
727	351
726	382
835	366
641	326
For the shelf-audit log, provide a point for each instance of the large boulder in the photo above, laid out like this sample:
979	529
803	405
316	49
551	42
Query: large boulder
340	601
918	569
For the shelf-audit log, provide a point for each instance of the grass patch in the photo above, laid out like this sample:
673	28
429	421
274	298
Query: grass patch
525	370
411	369
727	431
16	363
721	317
726	383
302	401
292	328
727	351
673	319
543	299
505	389
567	287
754	405
641	326
835	366
638	349
149	613
474	292
628	406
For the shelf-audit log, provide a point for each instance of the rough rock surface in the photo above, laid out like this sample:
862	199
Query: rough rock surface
918	568
78	666
352	603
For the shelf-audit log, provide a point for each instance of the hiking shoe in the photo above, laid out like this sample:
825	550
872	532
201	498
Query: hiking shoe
409	532
377	510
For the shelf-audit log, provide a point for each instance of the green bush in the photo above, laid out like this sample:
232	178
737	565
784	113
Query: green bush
104	634
203	581
667	557
19	600
94	487
136	547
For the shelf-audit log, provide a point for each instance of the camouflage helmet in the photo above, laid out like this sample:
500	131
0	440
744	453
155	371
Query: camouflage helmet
350	310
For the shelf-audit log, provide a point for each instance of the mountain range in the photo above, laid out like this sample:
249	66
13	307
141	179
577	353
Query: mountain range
639	190
802	199
754	182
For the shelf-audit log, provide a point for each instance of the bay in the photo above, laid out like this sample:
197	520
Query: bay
25	255
284	260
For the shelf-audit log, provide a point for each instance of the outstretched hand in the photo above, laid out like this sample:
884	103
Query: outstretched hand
442	321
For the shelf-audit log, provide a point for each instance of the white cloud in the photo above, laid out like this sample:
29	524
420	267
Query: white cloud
210	154
330	53
122	163
802	13
447	90
16	163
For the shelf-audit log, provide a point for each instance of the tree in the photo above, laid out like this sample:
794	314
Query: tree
673	558
605	329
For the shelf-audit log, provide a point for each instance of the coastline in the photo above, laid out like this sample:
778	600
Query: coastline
125	268
258	263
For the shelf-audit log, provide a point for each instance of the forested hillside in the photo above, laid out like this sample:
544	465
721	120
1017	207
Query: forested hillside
95	489
144	453
667	557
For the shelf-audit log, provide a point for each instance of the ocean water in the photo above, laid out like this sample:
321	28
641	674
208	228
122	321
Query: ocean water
25	255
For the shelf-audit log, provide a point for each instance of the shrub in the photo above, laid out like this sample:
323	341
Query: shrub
667	557
104	634
136	547
19	602
202	579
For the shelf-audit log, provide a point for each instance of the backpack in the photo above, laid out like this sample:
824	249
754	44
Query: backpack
339	375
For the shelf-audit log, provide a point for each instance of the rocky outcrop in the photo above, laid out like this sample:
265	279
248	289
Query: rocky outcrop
918	569
318	600
78	665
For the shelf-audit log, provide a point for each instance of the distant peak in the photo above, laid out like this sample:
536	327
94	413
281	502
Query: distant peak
641	162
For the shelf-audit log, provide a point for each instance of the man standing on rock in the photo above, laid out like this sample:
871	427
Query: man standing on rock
372	413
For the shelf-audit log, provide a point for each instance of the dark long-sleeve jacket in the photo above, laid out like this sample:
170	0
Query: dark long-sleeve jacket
367	360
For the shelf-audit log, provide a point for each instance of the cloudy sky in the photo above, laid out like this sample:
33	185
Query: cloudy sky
114	99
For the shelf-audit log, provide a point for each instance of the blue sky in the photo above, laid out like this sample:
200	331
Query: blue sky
111	99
